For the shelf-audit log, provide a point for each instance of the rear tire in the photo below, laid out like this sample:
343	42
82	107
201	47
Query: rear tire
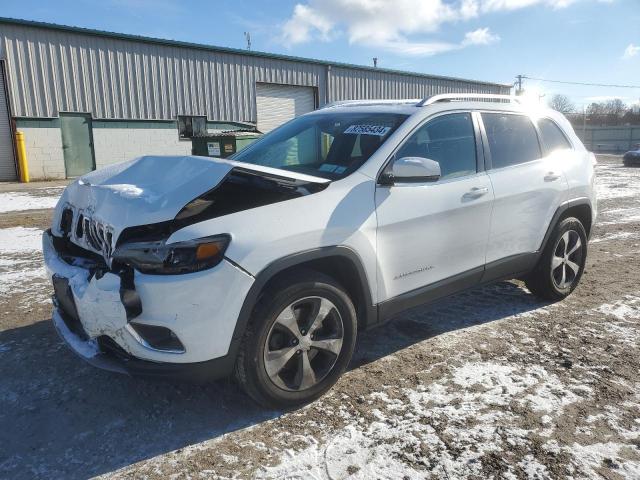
299	341
562	262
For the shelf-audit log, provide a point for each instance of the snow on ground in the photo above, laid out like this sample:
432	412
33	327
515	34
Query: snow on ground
614	236
20	240
625	309
450	427
617	181
46	197
21	267
619	216
430	426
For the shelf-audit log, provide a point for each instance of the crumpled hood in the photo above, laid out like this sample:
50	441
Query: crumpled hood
151	189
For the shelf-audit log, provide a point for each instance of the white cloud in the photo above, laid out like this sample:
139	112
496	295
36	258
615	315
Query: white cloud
481	36
398	26
501	5
422	49
631	51
304	22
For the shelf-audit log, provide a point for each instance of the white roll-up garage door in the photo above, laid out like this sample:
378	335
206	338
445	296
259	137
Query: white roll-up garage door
7	163
277	104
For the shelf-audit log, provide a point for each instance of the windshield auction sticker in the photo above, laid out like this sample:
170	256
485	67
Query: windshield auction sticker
377	130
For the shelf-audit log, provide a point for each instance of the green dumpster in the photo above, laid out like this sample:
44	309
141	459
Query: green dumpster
222	144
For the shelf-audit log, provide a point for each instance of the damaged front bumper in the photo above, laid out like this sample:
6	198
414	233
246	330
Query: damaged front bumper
100	315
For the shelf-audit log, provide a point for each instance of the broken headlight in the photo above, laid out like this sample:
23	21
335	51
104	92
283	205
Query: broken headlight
158	258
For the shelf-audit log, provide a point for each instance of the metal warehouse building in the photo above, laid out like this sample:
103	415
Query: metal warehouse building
86	98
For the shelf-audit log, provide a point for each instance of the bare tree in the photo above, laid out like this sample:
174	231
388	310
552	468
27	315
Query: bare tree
611	112
616	107
562	104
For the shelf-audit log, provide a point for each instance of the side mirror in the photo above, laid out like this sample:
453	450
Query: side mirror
411	170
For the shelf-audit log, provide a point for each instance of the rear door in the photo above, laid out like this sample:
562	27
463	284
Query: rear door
77	143
527	187
435	231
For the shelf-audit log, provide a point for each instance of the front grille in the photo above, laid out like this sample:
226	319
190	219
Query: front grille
99	236
87	232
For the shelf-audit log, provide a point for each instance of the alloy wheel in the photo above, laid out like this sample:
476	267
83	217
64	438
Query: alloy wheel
304	343
567	260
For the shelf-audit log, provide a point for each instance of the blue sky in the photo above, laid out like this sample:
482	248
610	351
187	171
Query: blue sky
596	41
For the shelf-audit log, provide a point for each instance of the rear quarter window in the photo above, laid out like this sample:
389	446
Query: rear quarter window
512	139
552	136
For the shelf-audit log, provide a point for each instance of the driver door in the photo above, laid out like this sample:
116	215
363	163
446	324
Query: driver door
432	236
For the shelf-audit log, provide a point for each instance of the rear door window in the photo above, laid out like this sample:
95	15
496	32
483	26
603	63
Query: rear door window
512	139
552	136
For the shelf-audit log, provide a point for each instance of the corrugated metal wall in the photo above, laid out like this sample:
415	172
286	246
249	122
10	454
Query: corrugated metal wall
53	70
347	84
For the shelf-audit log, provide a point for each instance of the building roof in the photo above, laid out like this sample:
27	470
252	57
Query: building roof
234	51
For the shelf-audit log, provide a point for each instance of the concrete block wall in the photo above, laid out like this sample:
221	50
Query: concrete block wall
115	142
43	144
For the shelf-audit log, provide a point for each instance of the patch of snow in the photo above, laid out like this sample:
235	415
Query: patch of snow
127	190
17	201
625	309
533	469
230	458
613	236
592	457
20	240
20	280
616	182
469	407
620	216
21	264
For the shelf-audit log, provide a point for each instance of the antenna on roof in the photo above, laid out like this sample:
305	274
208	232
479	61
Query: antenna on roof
247	36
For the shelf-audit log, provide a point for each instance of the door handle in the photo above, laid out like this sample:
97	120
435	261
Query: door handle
477	192
551	176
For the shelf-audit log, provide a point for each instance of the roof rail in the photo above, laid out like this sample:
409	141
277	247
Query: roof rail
345	103
445	97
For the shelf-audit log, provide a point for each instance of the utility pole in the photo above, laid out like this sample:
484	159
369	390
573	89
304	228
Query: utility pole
584	124
519	82
247	36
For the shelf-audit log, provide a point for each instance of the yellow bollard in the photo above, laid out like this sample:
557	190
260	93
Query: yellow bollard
22	158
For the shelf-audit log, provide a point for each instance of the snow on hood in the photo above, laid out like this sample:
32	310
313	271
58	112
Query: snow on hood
151	189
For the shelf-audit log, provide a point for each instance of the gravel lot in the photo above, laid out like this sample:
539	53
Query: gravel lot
487	384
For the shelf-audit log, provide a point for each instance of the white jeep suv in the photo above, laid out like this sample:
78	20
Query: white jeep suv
265	266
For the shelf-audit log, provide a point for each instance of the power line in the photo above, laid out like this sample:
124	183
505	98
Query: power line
581	83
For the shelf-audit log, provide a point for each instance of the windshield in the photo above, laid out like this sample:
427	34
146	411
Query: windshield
329	146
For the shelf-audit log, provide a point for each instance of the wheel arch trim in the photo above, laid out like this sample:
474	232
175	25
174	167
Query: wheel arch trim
560	211
299	259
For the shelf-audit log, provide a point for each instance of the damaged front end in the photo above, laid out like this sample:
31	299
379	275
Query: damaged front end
126	300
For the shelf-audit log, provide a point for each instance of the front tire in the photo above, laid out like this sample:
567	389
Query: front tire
562	263
299	341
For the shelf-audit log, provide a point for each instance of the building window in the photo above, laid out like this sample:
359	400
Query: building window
191	126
